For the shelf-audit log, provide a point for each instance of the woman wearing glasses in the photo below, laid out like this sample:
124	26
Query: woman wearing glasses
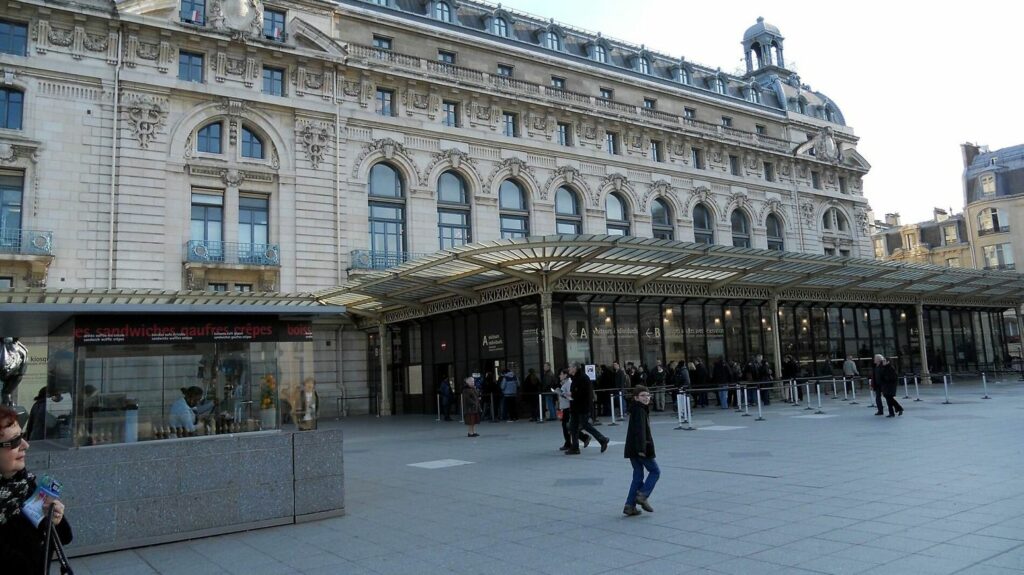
21	540
640	452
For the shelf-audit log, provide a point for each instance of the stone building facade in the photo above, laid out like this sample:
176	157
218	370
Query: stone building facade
941	241
228	145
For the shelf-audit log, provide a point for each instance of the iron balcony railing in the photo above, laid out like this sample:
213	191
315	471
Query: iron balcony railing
205	251
993	230
373	260
26	242
1001	267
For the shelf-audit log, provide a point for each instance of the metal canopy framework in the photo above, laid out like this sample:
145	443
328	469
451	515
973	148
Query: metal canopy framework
598	264
211	300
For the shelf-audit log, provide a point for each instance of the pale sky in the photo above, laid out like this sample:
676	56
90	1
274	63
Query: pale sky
914	82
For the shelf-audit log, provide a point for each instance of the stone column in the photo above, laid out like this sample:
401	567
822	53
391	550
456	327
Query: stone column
385	376
1020	329
922	341
773	309
549	345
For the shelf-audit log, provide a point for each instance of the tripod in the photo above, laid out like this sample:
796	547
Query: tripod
53	544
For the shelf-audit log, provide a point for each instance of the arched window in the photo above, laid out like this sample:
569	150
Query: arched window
600	53
703	225
12	103
252	145
551	40
992	221
616	215
720	85
835	220
644	65
775	239
568	219
682	75
387	217
443	12
499	26
208	140
740	229
453	212
514	211
661	220
754	96
830	113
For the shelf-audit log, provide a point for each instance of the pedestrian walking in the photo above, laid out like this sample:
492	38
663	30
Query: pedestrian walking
876	384
639	450
564	401
471	406
579	406
889	383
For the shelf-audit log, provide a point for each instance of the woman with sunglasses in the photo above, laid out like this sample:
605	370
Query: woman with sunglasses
21	541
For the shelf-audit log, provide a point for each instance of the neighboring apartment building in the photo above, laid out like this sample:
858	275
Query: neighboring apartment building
994	204
941	241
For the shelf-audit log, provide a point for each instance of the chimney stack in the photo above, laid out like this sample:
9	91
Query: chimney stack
892	219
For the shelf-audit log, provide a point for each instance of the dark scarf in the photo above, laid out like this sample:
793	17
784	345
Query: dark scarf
13	494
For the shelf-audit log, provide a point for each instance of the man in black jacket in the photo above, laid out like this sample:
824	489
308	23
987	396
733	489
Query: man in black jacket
876	383
887	383
579	408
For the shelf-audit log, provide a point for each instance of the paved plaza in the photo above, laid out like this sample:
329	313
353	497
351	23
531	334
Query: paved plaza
938	490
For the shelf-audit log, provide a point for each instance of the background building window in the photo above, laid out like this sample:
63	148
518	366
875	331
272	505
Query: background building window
12	105
252	145
607	94
720	85
209	140
611	143
682	75
385	102
13	38
446	57
992	221
504	70
381	42
953	262
500	27
833	219
207	225
880	249
661	220
842	185
690	113
703	225
190	67
816	180
443	12
909	240
655	152
273	25
616	215
510	124
551	40
776	241
11	187
193	11
514	214
273	81
450	114
601	54
568	219
217	287
740	229
726	122
564	134
988	184
950	236
644	66
734	165
769	172
650	104
754	96
387	216
999	257
697	158
453	211
253	228
6	282
557	83
760	130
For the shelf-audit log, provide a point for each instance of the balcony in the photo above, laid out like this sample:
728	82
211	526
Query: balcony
371	260
1003	267
231	253
26	242
993	230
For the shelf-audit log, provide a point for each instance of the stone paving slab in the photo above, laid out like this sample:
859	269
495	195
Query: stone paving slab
937	490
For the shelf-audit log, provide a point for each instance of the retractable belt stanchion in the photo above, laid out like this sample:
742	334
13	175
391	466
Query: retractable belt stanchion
834	394
679	411
746	403
917	390
611	401
906	388
622	405
794	392
807	394
984	383
741	395
817	387
438	408
462	409
540	408
853	388
846	396
945	388
759	416
689	414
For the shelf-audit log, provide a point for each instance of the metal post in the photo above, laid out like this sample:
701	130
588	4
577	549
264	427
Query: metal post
807	394
622	405
462	409
917	390
540	407
760	417
846	395
438	407
945	388
611	401
834	394
817	387
746	402
689	414
906	388
922	342
984	383
679	411
853	388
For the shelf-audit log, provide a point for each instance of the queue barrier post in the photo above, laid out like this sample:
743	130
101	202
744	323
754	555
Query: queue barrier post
917	390
740	396
817	388
853	388
906	388
834	394
945	388
611	401
689	414
760	417
984	383
462	409
622	405
540	408
746	402
438	408
807	394
679	411
846	395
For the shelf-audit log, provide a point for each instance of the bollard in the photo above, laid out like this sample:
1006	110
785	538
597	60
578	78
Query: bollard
834	394
945	388
817	387
760	417
462	409
740	397
611	404
794	392
679	410
917	390
540	408
853	388
438	408
746	403
689	414
622	405
807	394
906	389
984	383
846	396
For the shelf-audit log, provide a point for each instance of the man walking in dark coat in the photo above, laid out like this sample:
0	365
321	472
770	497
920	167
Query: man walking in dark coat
889	380
579	408
876	384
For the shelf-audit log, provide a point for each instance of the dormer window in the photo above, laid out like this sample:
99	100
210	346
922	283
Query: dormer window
193	12
443	12
754	96
720	85
683	75
499	27
988	184
273	25
644	66
601	54
550	40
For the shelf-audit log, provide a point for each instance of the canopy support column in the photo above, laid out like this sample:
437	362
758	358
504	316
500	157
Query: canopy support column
385	375
773	309
926	377
549	341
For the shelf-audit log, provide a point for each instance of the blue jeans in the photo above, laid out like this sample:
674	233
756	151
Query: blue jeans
639	484
549	402
723	398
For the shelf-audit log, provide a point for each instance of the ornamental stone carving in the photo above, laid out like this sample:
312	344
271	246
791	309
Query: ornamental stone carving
769	207
736	200
862	220
657	189
386	147
239	18
146	115
515	168
315	140
807	209
700	194
571	176
613	183
10	153
453	157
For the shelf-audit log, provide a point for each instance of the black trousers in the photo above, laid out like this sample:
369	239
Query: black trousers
567	429
579	422
878	399
894	405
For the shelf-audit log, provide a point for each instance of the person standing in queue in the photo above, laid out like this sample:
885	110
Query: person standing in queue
471	406
639	450
582	398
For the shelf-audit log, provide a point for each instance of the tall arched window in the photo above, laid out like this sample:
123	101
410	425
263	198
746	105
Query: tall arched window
740	229
443	12
661	220
514	214
252	145
775	239
387	216
499	26
551	40
835	220
208	139
720	85
616	215
12	103
644	66
754	96
600	53
703	225
453	212
682	75
568	219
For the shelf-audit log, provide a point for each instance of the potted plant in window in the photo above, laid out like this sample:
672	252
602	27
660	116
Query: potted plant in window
268	402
